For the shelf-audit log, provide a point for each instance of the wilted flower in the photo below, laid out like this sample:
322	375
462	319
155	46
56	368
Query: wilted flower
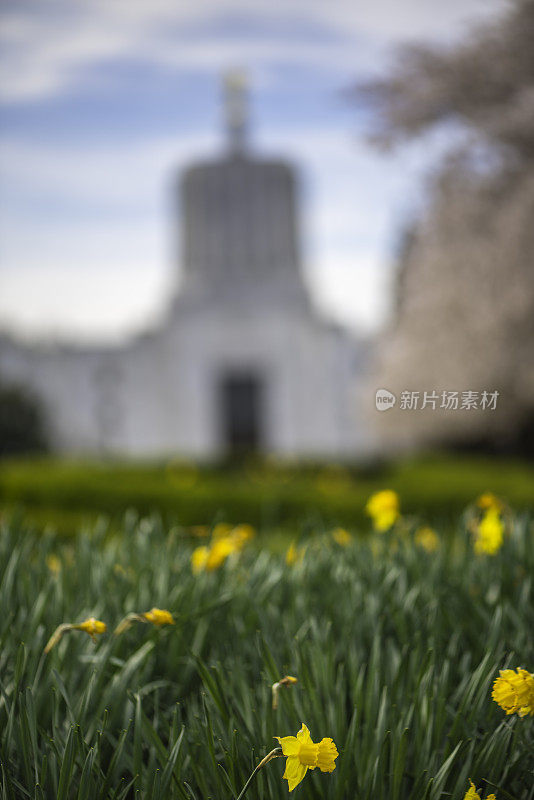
489	532
383	508
92	626
287	680
472	793
427	538
514	691
341	537
303	754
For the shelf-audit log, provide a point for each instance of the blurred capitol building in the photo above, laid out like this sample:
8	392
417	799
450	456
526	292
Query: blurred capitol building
241	361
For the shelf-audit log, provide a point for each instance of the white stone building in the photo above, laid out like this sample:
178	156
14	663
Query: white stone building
241	361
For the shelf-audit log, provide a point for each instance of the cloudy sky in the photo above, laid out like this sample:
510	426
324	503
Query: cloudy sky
103	101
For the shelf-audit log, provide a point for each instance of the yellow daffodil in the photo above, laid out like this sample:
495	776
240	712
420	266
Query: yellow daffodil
287	680
199	558
472	793
92	626
211	557
342	537
225	540
219	552
489	532
294	554
53	563
514	691
159	617
303	754
242	534
383	508
427	538
488	500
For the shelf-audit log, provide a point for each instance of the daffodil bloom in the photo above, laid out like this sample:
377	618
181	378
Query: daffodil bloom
159	617
514	691
219	552
234	538
489	532
427	538
242	534
53	563
341	537
472	793
303	754
199	558
294	554
92	626
488	500
225	541
287	680
383	508
291	554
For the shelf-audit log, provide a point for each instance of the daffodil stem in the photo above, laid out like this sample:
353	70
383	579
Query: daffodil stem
273	754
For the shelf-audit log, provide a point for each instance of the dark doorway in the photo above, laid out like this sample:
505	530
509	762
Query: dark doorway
241	412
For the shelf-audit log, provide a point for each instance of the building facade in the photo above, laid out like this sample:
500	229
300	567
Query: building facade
242	361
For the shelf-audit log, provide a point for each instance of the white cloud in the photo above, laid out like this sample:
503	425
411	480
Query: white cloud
46	53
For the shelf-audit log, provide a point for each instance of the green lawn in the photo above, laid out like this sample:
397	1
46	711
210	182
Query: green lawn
395	651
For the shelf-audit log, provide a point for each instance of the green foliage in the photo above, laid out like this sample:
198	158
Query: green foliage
266	494
395	650
22	424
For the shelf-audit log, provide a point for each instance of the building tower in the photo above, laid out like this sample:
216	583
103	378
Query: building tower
239	219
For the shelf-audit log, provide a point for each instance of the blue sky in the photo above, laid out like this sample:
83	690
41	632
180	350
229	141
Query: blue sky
103	101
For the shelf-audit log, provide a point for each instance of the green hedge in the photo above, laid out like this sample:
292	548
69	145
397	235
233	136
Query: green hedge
262	493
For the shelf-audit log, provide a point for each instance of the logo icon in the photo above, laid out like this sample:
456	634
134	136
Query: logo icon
384	399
